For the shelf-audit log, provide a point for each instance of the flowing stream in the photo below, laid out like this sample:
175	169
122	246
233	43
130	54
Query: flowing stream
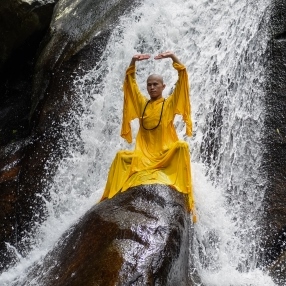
222	43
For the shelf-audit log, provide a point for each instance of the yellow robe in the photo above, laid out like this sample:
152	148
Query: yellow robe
159	157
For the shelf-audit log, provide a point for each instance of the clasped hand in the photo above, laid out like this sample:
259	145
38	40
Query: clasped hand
141	57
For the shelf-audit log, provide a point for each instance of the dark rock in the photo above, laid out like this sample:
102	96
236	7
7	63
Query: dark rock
212	136
19	21
278	270
68	46
69	34
22	27
139	237
276	254
11	162
275	139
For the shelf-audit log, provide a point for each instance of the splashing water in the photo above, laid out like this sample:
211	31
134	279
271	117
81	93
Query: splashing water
222	43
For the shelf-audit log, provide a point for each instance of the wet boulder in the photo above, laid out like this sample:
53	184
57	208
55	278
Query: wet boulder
75	26
77	32
139	237
23	25
274	224
20	20
277	269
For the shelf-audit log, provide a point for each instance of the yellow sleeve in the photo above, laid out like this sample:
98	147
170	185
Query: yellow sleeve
180	99
133	102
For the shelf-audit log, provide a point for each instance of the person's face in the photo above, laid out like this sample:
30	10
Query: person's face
155	87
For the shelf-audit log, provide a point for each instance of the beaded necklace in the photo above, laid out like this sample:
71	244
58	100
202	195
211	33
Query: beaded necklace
159	119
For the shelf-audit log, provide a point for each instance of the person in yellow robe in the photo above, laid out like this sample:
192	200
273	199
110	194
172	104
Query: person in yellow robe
159	156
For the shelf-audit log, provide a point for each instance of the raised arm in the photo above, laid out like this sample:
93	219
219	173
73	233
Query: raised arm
139	57
168	55
180	100
133	99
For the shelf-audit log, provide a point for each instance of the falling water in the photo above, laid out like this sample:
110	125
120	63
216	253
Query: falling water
222	43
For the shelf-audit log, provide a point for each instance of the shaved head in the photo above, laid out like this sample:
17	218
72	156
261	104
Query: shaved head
155	77
155	86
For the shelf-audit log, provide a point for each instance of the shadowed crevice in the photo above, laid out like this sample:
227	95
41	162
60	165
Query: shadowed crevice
280	37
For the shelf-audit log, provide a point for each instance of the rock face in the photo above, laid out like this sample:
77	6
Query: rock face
67	36
20	20
22	26
28	164
140	237
277	268
275	140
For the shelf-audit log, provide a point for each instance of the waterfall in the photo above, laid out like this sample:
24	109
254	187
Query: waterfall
222	43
